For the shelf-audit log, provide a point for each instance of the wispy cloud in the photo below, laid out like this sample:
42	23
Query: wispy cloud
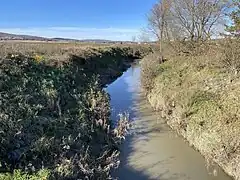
76	32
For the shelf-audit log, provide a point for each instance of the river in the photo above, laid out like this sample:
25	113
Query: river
152	150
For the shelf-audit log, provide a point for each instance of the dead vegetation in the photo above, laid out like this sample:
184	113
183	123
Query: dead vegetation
198	94
61	51
231	55
55	115
149	71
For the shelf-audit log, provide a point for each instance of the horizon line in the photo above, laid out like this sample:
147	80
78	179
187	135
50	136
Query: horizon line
74	32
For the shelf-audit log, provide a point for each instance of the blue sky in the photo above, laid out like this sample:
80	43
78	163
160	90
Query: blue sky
81	19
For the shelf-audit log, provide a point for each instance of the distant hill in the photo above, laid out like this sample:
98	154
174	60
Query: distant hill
8	36
83	40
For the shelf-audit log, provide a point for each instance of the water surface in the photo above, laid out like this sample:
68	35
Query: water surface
153	150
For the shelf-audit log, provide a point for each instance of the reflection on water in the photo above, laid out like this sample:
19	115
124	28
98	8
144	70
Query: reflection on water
123	92
152	151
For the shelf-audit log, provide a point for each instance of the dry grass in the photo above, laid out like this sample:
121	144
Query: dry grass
55	117
149	71
199	97
59	50
231	55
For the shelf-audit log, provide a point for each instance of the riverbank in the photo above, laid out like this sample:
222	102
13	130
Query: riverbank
199	98
55	116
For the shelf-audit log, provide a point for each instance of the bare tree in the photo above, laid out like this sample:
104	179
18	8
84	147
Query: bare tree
194	20
158	21
134	38
144	36
198	17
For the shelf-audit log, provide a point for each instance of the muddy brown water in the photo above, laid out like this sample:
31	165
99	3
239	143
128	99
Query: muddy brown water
152	150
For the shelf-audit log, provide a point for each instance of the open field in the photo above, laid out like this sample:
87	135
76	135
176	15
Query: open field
60	51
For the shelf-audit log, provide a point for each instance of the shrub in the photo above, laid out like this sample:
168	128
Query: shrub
231	54
191	48
149	69
50	119
18	175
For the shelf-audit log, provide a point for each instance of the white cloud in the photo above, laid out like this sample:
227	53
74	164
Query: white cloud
76	32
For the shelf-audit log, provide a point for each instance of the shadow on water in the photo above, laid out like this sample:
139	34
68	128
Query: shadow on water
152	151
136	160
122	102
127	172
123	99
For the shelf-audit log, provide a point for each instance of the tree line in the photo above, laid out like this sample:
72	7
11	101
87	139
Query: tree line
194	20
